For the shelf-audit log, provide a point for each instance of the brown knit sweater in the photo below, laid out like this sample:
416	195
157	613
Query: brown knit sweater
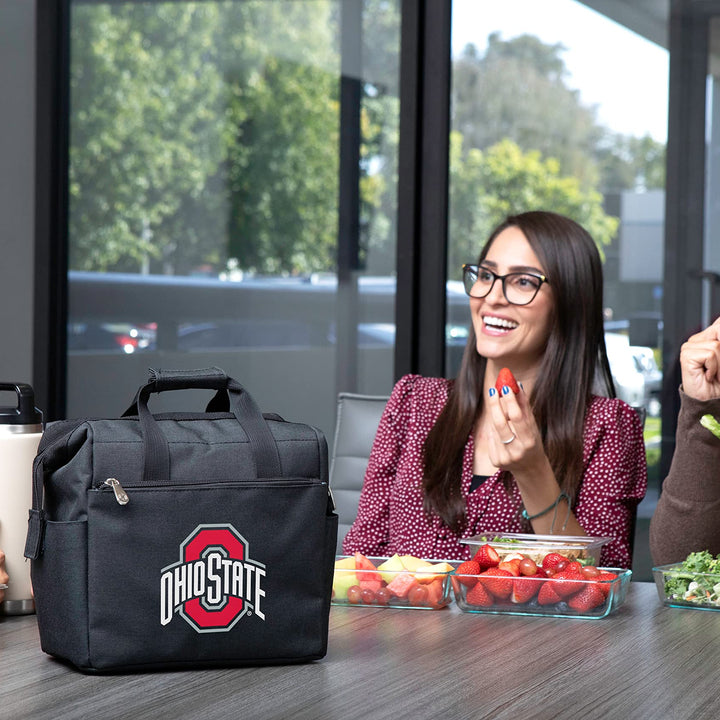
687	518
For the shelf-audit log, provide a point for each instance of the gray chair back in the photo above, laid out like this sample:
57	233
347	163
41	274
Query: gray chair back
357	421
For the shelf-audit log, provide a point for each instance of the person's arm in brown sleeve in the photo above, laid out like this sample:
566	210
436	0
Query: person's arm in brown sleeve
687	517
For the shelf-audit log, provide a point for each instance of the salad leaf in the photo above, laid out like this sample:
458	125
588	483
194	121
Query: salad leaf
702	562
711	424
496	539
696	580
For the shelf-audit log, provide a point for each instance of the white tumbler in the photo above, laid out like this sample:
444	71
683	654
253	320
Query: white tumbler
20	432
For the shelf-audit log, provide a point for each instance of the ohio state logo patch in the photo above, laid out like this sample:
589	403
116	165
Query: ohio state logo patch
214	583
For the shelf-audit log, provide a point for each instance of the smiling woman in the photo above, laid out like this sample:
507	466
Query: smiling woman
456	458
512	323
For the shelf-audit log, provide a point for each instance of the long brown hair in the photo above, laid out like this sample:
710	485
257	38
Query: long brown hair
575	359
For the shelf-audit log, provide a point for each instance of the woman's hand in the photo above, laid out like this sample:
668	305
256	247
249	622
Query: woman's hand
514	443
3	575
700	363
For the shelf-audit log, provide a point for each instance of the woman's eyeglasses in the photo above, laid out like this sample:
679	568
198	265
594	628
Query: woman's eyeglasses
518	288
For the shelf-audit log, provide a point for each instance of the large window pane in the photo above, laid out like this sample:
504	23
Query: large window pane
547	112
217	213
711	245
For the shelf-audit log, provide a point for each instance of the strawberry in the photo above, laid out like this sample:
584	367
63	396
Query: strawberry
469	567
568	582
497	582
575	566
547	594
487	557
512	566
524	589
505	377
591	596
479	595
605	581
551	562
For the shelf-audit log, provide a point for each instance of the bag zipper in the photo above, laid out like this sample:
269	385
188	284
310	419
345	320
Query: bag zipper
123	498
120	495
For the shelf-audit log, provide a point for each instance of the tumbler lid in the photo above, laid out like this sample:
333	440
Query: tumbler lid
25	413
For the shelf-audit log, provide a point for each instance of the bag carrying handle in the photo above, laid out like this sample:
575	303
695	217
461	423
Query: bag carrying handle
156	449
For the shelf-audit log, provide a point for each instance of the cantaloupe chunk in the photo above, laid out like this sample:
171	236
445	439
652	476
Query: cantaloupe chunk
411	563
390	568
344	577
432	571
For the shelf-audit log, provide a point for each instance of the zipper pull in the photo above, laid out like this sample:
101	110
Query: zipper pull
120	495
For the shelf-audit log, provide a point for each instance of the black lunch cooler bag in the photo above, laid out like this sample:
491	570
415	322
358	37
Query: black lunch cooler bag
182	539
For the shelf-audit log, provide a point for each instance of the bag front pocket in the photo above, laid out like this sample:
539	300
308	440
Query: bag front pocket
214	573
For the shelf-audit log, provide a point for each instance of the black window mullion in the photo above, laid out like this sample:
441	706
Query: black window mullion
684	205
423	187
347	308
51	247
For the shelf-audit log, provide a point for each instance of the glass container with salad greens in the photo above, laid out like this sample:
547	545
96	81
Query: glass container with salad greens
693	583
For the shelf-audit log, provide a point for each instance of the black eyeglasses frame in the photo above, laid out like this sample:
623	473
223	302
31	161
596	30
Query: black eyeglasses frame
470	267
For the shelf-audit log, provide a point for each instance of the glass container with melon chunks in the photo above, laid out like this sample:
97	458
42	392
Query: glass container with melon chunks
400	581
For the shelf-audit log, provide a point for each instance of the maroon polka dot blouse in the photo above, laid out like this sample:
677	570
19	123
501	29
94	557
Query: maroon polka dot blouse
390	515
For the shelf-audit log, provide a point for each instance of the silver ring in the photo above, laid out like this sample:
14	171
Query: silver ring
507	442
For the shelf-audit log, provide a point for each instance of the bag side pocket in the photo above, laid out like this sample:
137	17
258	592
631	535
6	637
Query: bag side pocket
59	578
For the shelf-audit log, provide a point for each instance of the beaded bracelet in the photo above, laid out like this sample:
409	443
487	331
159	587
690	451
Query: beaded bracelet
554	506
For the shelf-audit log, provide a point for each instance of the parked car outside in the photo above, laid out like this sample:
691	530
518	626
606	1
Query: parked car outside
644	358
629	381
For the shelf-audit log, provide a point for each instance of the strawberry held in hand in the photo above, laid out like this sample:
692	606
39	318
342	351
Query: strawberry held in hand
505	377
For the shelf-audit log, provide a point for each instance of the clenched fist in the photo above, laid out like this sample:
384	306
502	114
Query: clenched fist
700	364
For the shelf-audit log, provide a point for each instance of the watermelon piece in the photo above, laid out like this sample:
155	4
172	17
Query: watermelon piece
365	571
401	584
435	592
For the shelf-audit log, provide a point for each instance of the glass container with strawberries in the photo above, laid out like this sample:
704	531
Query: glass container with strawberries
548	583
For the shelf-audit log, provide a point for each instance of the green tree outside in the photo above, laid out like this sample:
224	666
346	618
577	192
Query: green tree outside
199	136
487	186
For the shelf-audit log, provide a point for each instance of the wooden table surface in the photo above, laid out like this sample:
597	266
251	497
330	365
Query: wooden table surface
643	661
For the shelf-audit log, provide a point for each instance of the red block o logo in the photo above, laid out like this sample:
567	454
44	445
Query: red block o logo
229	608
214	583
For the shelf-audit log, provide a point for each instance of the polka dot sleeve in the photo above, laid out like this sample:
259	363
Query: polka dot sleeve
369	533
615	478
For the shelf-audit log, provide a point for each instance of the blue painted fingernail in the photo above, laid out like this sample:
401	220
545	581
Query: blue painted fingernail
506	389
492	392
521	385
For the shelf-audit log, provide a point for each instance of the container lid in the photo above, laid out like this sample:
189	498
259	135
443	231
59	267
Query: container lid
25	412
